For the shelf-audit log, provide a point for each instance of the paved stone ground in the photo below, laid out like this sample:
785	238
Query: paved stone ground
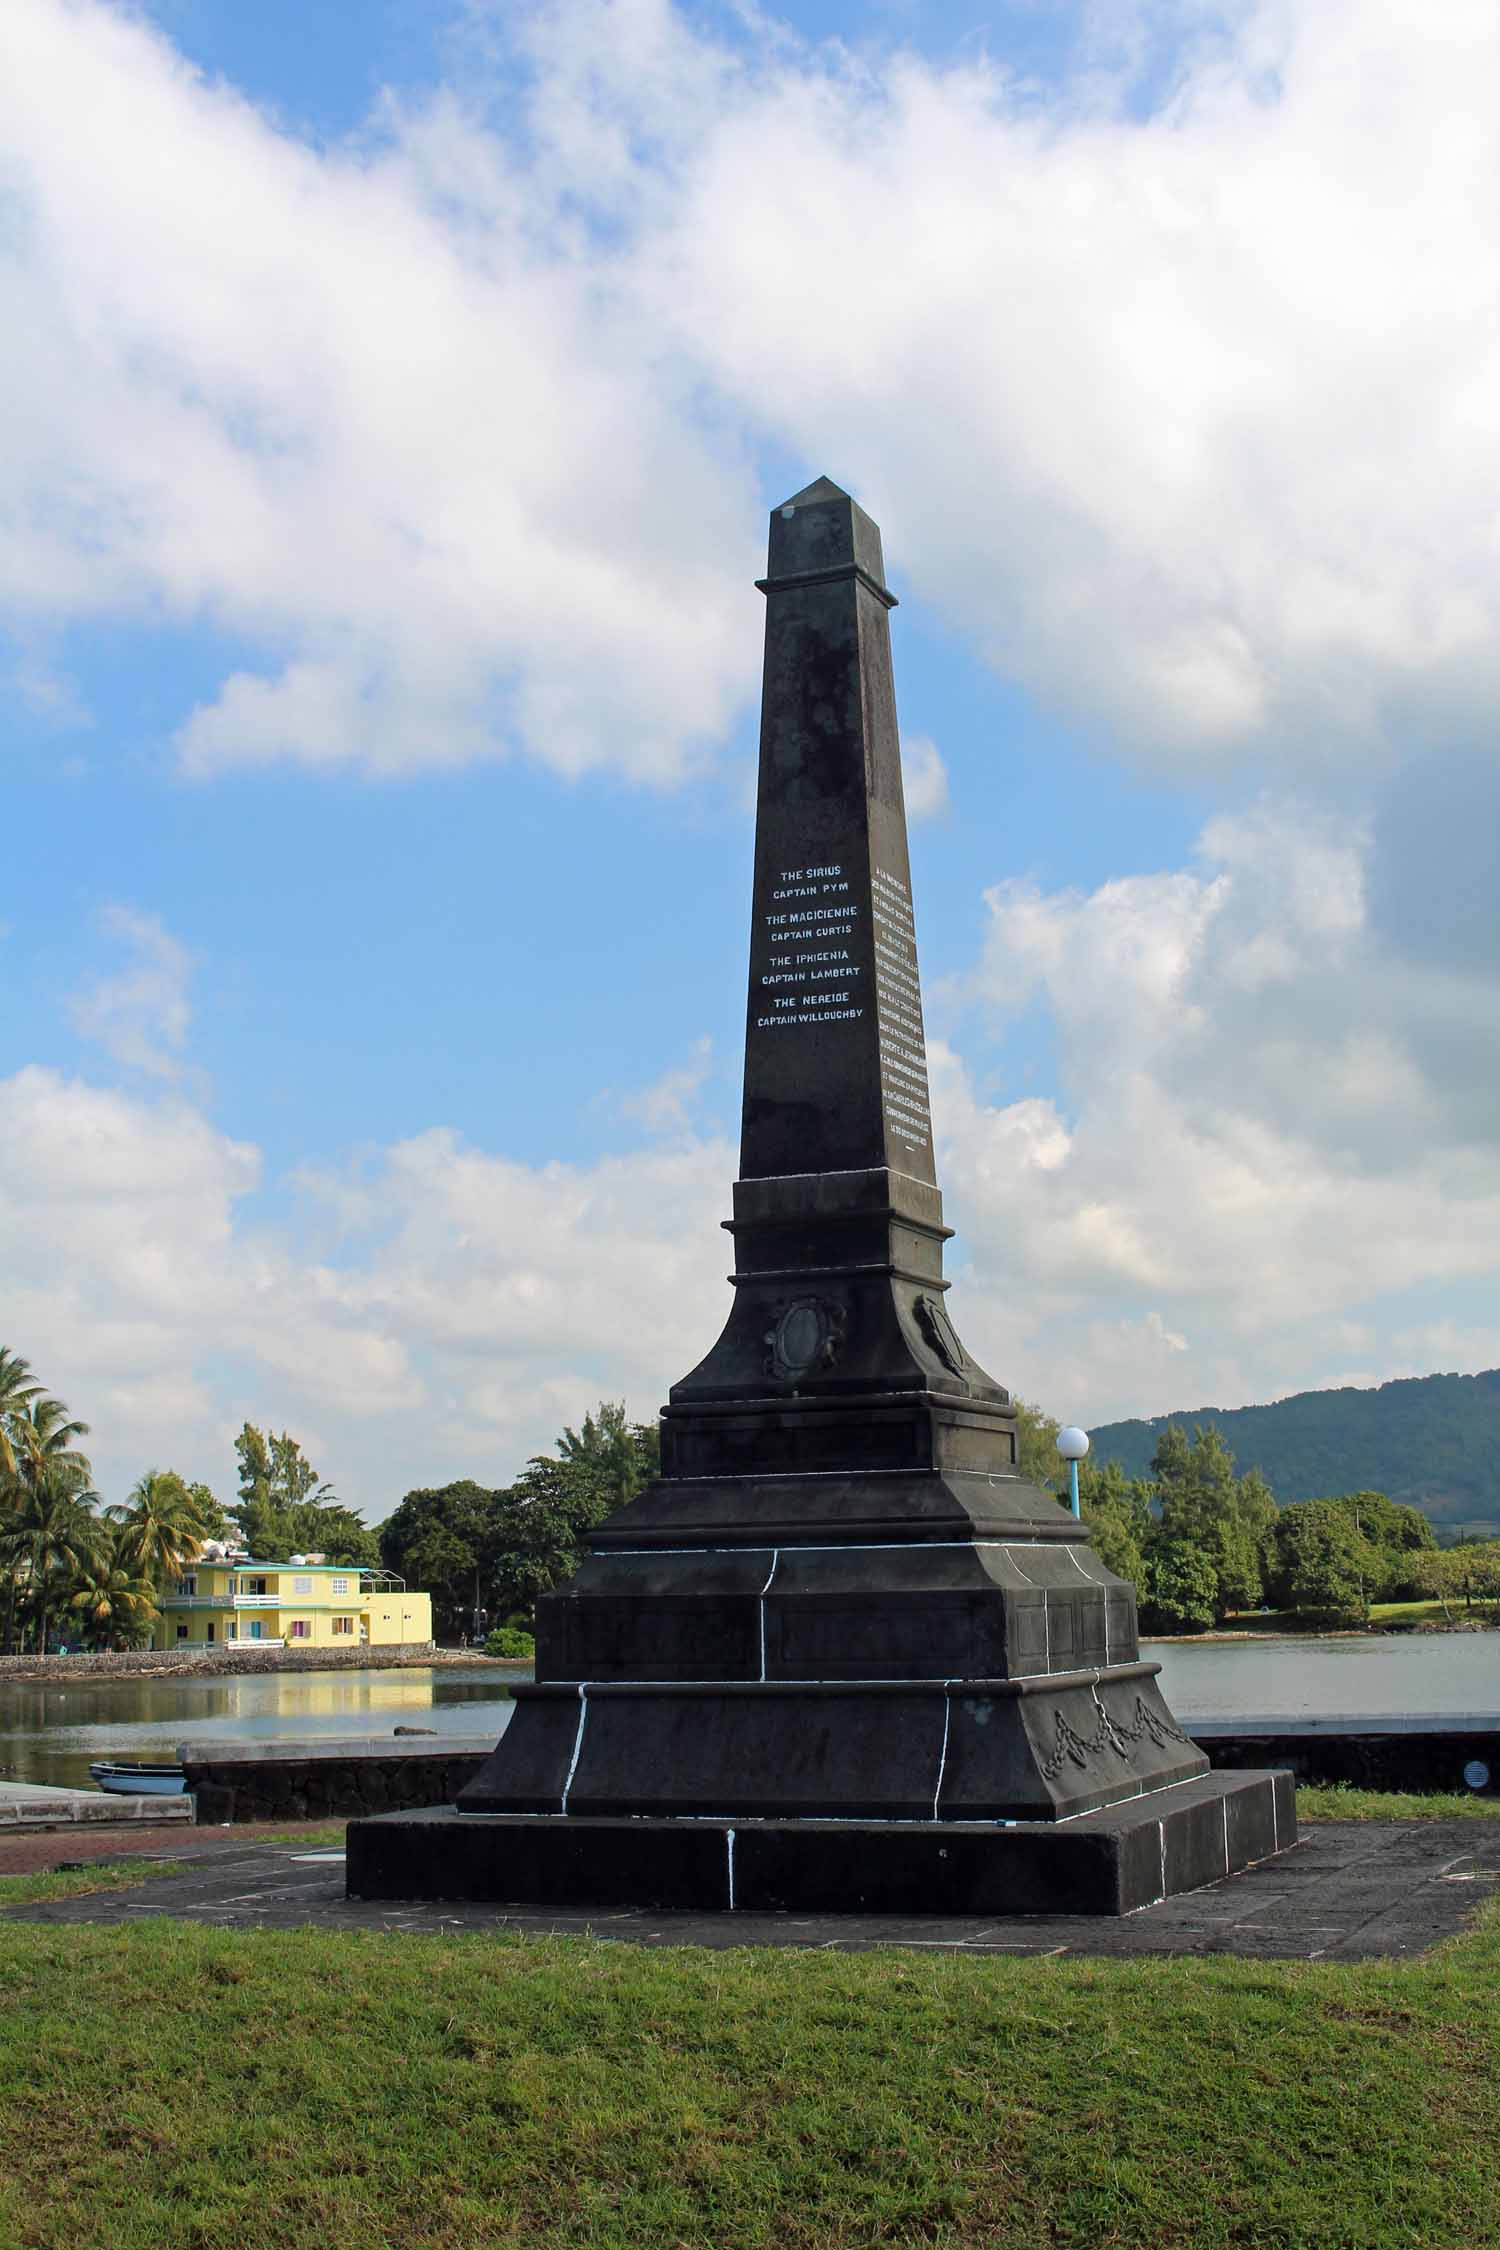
32	1851
1350	1890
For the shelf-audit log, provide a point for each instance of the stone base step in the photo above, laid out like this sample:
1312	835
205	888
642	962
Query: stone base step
1108	1862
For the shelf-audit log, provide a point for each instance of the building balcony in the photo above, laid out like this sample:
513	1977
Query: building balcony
195	1601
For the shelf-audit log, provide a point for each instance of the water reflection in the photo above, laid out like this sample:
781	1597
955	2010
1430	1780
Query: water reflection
50	1733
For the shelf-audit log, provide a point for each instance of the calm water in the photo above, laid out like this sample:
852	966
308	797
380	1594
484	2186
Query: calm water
1395	1674
50	1733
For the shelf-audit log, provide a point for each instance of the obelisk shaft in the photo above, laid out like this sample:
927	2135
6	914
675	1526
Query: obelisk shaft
835	1057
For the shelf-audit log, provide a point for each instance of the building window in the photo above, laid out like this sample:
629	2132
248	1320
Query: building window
343	1625
255	1629
338	1585
187	1585
209	1630
182	1632
231	1630
301	1629
252	1586
301	1585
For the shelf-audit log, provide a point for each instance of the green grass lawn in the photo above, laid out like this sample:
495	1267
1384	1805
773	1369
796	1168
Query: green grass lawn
73	1882
1383	1616
1340	1800
170	2087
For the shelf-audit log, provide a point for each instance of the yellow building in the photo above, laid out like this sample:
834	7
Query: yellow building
296	1604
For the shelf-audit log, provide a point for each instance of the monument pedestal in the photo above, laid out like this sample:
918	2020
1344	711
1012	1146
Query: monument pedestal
840	1654
1112	1861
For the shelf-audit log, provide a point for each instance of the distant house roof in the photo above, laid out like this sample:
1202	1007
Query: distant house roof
240	1562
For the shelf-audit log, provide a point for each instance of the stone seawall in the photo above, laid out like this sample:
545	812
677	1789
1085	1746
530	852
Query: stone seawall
1423	1753
207	1663
341	1779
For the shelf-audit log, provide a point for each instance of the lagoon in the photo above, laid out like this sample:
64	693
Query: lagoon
51	1733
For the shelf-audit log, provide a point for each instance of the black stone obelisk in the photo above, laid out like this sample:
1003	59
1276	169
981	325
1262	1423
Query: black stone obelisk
840	1653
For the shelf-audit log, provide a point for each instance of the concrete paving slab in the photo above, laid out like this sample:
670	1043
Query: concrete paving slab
1363	1890
38	1804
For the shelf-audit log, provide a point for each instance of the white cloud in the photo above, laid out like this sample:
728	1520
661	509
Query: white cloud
1189	419
924	778
1252	1155
463	1308
666	1106
370	409
141	1015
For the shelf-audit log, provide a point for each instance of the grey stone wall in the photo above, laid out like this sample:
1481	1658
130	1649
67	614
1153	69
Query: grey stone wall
333	1781
244	1657
1407	1755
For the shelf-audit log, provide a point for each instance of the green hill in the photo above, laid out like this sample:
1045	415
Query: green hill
1433	1440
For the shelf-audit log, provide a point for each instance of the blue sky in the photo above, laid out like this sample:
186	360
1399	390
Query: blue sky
401	396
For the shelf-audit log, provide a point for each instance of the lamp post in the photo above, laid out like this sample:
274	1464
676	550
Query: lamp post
1072	1444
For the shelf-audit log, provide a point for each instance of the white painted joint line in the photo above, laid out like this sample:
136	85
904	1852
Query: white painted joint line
1161	1837
948	1686
583	1712
1046	1633
729	1843
771	1573
1225	1803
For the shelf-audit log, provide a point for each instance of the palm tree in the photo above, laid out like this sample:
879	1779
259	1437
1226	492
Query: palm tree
61	1534
161	1526
41	1443
17	1390
113	1600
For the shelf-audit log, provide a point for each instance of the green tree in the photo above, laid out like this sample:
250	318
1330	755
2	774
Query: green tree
283	1509
1458	1574
160	1529
1036	1446
17	1390
540	1527
1207	1508
1324	1563
442	1541
42	1448
115	1604
1182	1588
61	1538
617	1456
1116	1510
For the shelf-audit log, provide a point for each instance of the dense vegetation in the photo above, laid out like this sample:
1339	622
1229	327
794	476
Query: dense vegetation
77	1574
1201	1542
1432	1442
485	1555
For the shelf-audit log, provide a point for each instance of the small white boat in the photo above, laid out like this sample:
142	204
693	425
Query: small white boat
129	1779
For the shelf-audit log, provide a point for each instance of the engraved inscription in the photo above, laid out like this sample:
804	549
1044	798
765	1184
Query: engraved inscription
903	1043
807	970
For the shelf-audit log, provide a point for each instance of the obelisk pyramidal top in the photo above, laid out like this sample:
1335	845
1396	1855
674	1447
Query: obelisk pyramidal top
835	1057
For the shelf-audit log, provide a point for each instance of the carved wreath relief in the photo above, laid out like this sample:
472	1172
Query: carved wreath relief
806	1338
1115	1734
940	1333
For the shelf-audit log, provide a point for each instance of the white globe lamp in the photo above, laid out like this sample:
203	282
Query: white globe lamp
1072	1444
